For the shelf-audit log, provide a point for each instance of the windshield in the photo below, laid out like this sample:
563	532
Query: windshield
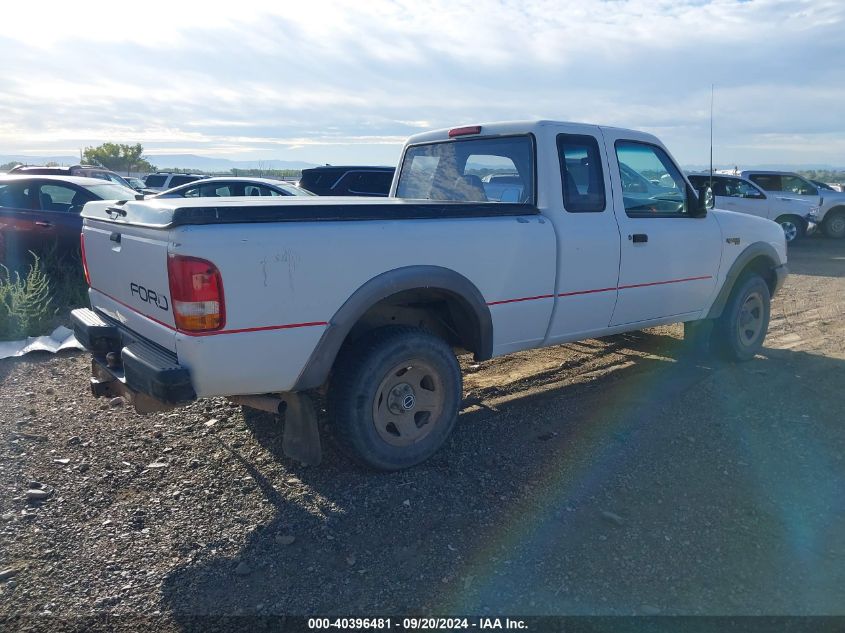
112	192
466	170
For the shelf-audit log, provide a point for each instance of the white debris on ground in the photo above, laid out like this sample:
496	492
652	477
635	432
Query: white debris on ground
61	338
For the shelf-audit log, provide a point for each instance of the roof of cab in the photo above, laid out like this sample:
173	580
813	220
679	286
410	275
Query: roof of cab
503	128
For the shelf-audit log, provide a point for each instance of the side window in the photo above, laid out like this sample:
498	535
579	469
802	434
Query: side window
175	181
193	192
747	190
652	186
155	180
794	184
367	182
56	197
16	195
767	182
581	174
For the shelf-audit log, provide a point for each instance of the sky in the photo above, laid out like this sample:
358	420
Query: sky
347	82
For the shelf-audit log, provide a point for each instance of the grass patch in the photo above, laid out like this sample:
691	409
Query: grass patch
36	300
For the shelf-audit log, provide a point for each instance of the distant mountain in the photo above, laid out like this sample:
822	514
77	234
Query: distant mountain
771	166
38	160
173	161
192	161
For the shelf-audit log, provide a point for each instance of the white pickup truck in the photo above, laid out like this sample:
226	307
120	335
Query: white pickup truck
263	300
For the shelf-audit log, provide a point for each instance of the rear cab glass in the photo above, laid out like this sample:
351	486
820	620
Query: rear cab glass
486	169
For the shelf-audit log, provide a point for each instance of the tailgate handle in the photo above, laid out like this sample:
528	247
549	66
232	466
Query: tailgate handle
115	237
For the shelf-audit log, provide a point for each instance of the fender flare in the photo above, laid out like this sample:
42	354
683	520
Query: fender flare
752	251
382	286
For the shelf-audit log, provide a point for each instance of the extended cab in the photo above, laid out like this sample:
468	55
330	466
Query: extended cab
596	232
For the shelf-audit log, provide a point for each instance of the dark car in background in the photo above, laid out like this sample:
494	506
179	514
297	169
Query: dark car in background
38	213
224	187
347	181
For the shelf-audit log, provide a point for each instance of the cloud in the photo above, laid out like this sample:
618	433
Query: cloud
343	79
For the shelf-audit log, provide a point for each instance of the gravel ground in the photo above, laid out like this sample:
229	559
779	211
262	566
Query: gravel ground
604	477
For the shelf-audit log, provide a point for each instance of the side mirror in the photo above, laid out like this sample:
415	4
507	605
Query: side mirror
700	203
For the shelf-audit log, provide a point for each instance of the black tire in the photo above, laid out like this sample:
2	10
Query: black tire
388	375
834	224
739	333
793	227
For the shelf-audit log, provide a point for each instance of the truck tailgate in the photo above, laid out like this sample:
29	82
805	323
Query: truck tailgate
127	266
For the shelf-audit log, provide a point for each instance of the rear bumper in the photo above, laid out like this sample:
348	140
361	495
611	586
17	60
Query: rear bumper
125	364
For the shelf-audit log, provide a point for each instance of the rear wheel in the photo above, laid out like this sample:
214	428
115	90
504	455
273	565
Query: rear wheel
793	227
394	397
740	331
834	224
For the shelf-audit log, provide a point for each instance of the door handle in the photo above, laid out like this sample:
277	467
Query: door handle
43	224
638	238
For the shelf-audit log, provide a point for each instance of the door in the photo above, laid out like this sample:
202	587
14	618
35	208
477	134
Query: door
19	232
735	194
60	205
669	259
587	238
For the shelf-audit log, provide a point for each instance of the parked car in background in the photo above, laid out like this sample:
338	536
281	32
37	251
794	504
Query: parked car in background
163	180
136	183
37	212
86	171
347	181
224	187
796	215
831	204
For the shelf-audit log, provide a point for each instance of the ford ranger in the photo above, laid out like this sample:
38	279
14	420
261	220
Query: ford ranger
588	232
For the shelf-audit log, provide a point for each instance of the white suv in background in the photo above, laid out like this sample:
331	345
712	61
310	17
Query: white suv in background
796	215
161	180
831	204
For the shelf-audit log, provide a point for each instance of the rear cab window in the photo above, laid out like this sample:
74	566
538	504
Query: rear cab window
499	169
582	178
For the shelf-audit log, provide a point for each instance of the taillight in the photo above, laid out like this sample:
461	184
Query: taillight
84	261
196	293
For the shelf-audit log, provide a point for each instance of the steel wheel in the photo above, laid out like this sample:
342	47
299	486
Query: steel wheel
394	396
790	230
409	403
835	226
751	319
739	333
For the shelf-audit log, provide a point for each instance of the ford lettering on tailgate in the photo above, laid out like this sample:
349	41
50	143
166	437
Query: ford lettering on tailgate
149	296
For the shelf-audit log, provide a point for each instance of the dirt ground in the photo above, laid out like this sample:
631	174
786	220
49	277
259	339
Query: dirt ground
610	476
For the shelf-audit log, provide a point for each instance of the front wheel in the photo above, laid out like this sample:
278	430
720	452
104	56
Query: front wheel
834	225
740	331
793	227
394	397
